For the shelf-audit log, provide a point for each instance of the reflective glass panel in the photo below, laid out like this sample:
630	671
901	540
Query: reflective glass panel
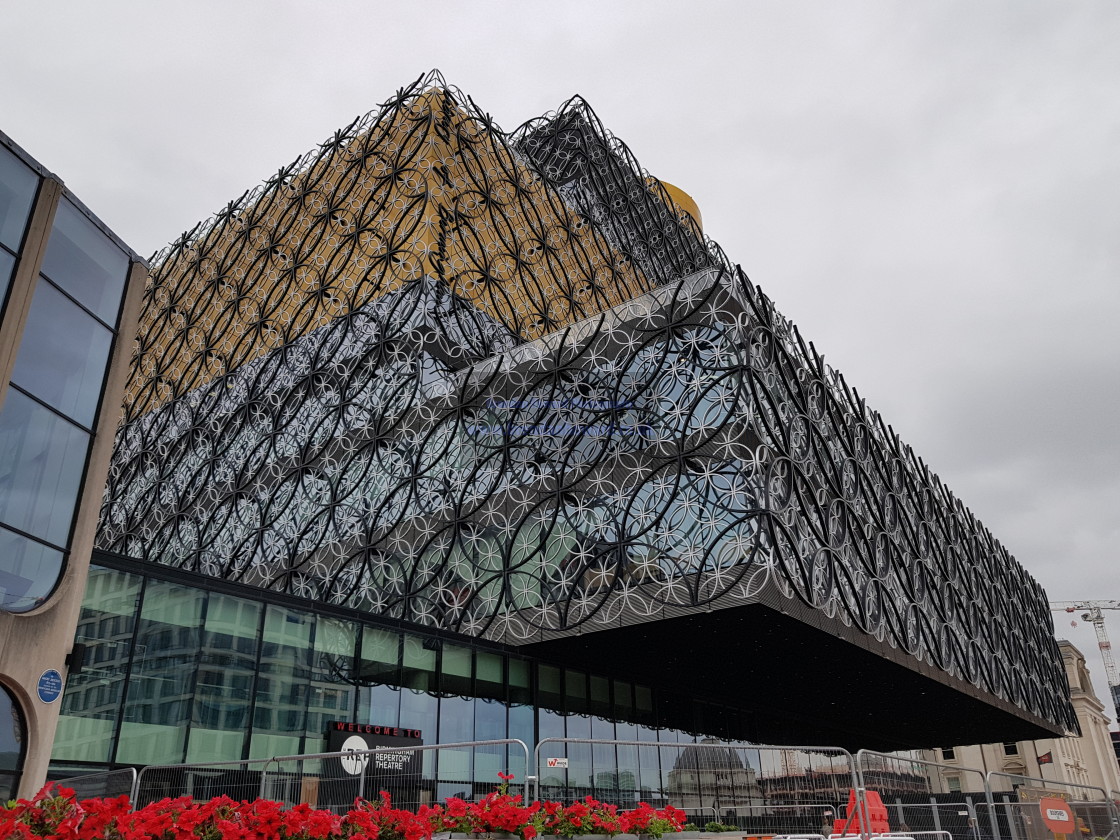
17	193
227	671
7	263
283	683
380	705
419	710
490	725
85	262
93	699
456	670
521	726
12	732
42	458
29	572
161	684
333	695
380	660
419	664
456	725
62	355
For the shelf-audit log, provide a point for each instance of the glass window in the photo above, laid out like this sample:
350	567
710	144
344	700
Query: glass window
456	670
42	458
382	705
519	691
18	184
333	696
380	660
7	264
85	262
283	682
600	695
226	680
575	690
456	725
93	699
62	355
948	754
488	678
490	725
419	670
13	739
1011	748
419	710
161	684
29	573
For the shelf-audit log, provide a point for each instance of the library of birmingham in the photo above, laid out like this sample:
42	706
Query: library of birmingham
472	433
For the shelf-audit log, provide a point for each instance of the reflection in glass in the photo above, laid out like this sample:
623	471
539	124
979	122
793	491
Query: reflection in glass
85	262
17	193
333	697
490	725
29	572
381	704
7	264
456	725
42	458
62	355
455	676
13	738
226	675
419	660
283	683
161	685
93	699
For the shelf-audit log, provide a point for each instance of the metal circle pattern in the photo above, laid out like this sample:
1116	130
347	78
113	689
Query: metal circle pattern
498	384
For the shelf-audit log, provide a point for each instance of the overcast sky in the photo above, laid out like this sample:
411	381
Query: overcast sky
931	191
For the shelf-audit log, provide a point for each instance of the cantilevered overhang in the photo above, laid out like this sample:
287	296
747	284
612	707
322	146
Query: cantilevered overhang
784	674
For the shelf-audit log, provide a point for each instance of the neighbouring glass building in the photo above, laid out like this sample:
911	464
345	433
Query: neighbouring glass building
63	283
474	433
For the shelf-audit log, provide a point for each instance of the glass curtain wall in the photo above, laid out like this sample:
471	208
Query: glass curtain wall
181	674
13	739
49	412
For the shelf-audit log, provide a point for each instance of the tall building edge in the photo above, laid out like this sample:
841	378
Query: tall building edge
43	567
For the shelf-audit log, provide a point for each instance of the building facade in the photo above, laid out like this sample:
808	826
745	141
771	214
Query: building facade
473	432
70	292
1087	759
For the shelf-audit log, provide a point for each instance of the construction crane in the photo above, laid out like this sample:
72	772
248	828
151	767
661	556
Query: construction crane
1094	617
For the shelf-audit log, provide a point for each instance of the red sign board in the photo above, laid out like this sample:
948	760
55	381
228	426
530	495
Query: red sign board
1056	814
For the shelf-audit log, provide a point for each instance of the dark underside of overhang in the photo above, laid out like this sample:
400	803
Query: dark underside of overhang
793	683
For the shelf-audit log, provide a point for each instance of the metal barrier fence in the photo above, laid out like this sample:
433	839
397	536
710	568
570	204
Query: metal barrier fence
761	790
1018	806
921	800
413	775
107	785
795	793
236	779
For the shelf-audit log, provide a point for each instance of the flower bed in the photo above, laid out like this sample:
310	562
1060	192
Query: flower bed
56	813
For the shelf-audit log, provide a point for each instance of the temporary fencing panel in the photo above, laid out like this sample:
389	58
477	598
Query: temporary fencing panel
928	798
106	785
1041	809
411	776
760	790
236	779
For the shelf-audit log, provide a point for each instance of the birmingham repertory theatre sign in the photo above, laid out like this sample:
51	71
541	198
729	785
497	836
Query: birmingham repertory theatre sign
500	384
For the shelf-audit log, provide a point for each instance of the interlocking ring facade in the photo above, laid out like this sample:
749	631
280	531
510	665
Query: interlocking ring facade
499	383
